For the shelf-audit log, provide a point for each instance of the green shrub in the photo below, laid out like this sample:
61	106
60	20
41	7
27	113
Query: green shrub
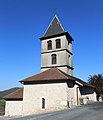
2	105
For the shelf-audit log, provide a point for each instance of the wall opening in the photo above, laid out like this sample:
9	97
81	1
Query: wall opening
54	59
43	103
49	45
58	43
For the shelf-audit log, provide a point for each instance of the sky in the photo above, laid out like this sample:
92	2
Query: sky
23	22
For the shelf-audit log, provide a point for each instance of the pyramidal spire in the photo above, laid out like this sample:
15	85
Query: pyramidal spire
54	28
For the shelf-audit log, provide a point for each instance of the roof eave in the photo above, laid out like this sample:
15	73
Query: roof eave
45	81
89	86
78	83
13	99
56	35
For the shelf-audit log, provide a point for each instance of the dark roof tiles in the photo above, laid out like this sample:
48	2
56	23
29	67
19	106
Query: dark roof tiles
53	74
55	27
18	94
50	74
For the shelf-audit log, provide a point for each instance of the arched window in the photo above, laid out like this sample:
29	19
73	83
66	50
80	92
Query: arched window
49	45
54	60
58	43
43	103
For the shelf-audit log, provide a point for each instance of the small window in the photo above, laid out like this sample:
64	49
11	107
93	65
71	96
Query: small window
53	58
58	43
49	45
43	103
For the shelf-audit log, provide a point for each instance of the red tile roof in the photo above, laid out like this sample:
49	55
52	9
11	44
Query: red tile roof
50	74
17	95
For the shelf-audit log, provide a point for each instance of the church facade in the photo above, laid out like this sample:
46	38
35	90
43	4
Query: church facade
55	87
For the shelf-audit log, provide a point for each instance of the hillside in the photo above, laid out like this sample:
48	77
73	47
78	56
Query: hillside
5	92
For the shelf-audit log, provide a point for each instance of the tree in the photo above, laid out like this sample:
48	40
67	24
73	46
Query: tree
97	82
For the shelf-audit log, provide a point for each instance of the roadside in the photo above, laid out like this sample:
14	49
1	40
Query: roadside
38	116
92	111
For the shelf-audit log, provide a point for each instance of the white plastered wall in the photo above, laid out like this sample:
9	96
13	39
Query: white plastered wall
55	96
13	108
73	94
92	97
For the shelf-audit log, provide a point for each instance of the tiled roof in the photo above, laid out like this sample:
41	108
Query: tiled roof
53	74
17	95
50	74
55	27
83	82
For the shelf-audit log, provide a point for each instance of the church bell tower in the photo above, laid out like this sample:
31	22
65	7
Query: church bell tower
57	48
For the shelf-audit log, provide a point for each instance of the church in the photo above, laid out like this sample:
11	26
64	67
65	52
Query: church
55	87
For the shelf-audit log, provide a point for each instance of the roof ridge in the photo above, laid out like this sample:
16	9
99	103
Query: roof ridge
60	23
35	74
51	30
49	26
47	75
63	73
